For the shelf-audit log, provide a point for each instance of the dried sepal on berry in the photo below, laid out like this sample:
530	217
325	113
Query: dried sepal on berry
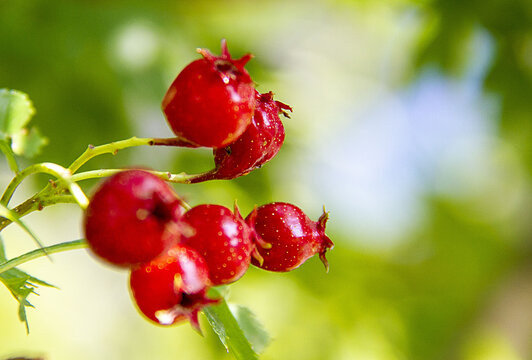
325	244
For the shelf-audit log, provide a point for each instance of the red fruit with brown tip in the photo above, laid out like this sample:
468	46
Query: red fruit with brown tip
258	144
171	288
211	101
292	236
131	218
221	237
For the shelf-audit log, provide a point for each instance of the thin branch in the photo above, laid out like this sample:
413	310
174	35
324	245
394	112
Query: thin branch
47	168
37	253
181	178
114	147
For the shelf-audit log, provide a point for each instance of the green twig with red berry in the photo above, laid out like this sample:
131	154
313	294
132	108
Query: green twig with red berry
176	254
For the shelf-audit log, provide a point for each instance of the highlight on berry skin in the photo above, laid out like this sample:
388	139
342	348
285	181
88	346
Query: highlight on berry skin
222	237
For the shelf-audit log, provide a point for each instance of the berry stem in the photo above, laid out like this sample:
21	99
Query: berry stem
115	146
37	253
58	171
178	142
206	176
181	178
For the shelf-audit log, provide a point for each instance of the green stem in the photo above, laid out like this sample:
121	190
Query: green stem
113	147
181	178
58	171
37	253
10	156
37	202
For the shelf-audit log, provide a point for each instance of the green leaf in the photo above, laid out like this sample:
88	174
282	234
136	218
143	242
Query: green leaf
28	142
251	326
10	215
16	110
21	285
228	330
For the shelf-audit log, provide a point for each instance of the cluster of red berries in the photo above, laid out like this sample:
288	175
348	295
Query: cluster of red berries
136	220
213	103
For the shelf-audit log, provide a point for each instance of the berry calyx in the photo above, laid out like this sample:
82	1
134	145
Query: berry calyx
257	145
293	237
221	237
131	218
172	288
211	101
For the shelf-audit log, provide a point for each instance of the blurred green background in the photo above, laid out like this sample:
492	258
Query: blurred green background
412	123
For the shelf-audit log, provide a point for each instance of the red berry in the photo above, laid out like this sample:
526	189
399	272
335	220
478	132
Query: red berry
271	111
221	237
132	218
258	144
171	288
292	236
211	101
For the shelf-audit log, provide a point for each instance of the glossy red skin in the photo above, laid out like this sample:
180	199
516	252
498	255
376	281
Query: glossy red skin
293	237
171	288
278	127
257	145
211	101
131	218
221	237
